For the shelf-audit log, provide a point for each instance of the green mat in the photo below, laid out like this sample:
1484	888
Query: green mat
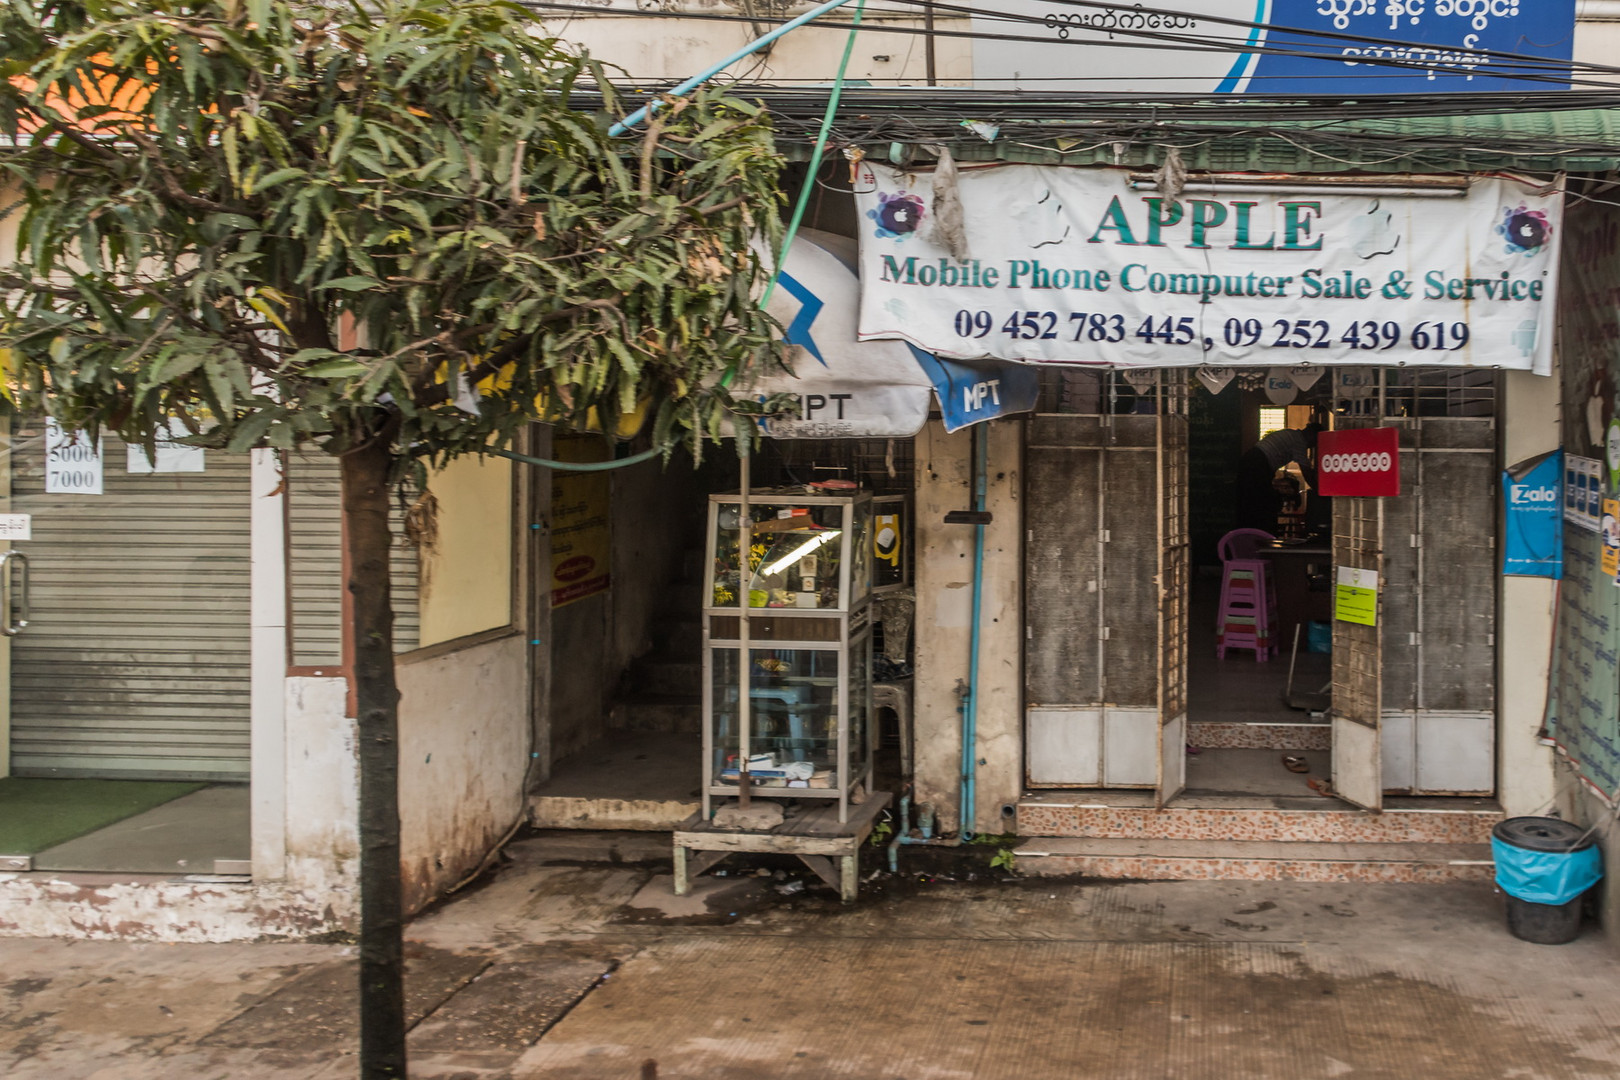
37	813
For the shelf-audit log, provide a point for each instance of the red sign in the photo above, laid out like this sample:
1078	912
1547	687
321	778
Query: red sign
1360	461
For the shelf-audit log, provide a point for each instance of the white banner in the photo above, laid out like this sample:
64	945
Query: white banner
1075	265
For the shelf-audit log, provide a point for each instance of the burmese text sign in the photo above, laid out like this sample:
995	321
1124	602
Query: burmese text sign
1279	46
1075	265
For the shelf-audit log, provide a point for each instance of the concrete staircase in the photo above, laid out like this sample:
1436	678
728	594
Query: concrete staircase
1119	834
662	690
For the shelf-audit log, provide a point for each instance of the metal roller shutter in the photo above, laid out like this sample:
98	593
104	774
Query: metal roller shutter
315	564
136	661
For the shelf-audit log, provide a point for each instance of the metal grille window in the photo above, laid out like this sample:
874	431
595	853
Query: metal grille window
881	466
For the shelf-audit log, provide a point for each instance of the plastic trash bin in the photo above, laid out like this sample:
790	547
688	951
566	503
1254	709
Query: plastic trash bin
1544	865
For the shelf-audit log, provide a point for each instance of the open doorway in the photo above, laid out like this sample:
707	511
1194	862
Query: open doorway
625	702
1258	660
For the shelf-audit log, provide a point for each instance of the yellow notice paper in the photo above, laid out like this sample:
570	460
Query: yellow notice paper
1610	531
1355	596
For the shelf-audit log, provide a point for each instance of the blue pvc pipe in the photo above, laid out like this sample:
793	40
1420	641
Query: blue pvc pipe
623	126
970	700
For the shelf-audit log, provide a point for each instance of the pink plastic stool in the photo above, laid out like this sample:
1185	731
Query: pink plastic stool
1248	610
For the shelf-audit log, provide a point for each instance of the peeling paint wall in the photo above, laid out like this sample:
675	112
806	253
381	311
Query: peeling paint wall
672	50
323	793
944	582
89	906
463	750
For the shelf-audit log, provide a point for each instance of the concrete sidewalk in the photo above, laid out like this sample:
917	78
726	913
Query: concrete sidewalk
576	961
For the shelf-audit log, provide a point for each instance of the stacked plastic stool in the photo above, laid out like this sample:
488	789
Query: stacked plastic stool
1247	616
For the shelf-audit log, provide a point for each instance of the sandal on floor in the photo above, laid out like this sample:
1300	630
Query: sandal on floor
1321	787
1295	763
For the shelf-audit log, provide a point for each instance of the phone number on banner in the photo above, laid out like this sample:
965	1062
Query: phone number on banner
1366	335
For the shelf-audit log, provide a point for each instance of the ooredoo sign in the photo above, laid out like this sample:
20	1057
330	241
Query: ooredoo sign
1361	461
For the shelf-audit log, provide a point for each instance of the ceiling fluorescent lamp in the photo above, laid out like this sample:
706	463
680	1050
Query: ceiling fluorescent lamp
800	552
1437	187
1206	187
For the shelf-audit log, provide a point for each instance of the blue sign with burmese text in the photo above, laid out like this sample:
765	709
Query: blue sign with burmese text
1279	46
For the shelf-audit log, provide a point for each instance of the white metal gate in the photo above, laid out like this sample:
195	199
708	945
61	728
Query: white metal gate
1105	561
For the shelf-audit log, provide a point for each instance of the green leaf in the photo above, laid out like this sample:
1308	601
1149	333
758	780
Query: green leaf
270	180
353	283
335	369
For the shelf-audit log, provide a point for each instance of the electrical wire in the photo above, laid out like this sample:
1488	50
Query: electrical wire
1539	69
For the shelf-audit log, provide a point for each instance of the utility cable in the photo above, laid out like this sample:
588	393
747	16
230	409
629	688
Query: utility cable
1540	69
815	157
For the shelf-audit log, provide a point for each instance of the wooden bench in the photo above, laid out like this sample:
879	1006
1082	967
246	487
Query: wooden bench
811	832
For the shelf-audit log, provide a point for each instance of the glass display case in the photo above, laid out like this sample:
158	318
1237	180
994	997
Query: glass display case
807	582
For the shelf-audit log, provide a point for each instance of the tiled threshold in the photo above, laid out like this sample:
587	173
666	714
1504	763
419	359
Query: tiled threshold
1131	815
1186	860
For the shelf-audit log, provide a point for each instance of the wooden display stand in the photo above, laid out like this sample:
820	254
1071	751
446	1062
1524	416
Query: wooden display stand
811	832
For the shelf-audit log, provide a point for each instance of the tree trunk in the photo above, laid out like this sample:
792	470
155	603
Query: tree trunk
365	474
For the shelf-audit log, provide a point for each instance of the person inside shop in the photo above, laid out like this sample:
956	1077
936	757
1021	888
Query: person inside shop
1259	501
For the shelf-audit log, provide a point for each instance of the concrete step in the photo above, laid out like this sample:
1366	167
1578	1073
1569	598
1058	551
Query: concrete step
1132	816
586	812
664	678
1228	736
670	713
1252	860
677	633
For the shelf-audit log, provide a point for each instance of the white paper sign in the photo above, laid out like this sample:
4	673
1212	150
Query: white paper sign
1075	265
1215	378
72	462
172	457
1356	578
16	527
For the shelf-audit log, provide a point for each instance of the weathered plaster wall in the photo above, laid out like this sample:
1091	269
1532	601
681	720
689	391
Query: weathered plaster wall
944	582
658	516
580	684
466	576
656	535
673	49
1525	778
463	752
316	893
323	793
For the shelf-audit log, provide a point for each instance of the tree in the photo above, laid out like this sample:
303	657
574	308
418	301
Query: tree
400	233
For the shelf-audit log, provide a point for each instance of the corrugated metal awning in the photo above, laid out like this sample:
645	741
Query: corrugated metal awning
1572	131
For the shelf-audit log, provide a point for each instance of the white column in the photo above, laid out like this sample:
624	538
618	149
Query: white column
269	666
1524	624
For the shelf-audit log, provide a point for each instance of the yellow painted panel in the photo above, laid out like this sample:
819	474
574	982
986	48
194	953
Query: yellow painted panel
466	584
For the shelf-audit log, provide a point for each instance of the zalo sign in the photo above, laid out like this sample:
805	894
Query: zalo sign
1534	517
1280	46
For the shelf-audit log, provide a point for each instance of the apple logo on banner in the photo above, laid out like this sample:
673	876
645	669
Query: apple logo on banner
1304	376
1215	379
1280	389
1374	233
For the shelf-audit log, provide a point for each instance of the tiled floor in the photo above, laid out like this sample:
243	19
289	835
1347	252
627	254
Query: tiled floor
1240	689
1254	772
185	836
